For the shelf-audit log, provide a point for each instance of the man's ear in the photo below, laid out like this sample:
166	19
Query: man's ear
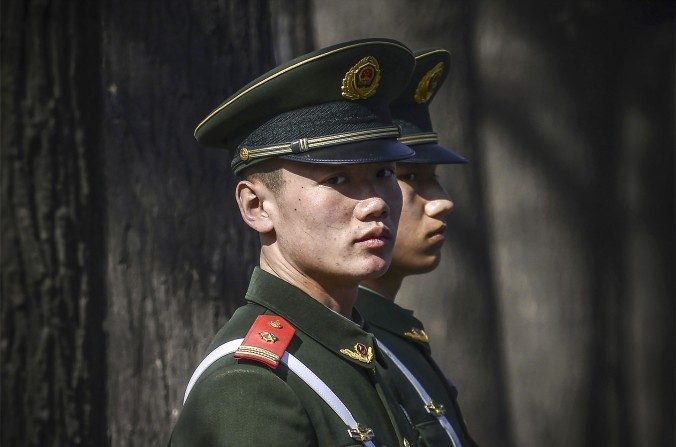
253	198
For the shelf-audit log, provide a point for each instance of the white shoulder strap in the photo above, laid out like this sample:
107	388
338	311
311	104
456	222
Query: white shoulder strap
221	351
355	430
429	404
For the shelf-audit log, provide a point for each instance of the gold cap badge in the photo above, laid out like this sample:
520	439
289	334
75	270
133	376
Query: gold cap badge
428	84
361	353
362	80
418	335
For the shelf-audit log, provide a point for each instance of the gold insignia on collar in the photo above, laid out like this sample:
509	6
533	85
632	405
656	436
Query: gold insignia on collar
362	80
435	409
268	337
361	352
360	433
406	443
428	84
276	324
418	335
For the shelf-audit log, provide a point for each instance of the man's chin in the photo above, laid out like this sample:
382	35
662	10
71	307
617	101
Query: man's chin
418	266
375	268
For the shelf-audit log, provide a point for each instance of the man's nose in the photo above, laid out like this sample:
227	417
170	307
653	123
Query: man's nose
373	207
438	207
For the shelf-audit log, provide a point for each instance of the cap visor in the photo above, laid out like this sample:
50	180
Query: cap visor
370	151
432	153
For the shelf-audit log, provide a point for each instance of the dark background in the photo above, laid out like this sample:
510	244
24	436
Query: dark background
122	250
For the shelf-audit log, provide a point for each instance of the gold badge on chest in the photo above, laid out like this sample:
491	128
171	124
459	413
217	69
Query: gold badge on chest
418	335
435	409
361	353
360	433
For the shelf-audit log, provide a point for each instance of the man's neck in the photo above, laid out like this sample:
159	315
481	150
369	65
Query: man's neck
387	285
338	296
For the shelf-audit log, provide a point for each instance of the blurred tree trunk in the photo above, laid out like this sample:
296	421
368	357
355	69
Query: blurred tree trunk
645	191
179	256
574	105
53	300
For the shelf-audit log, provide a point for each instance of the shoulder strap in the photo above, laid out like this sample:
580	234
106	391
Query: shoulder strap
221	351
266	341
434	409
355	430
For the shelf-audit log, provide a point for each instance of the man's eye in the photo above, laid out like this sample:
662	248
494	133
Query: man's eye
408	177
385	173
336	180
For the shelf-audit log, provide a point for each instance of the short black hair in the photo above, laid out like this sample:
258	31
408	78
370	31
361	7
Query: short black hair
269	173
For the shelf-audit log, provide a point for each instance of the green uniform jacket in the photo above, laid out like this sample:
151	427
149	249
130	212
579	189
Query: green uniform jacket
245	403
404	335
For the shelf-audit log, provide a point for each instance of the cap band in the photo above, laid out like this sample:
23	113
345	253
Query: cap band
419	138
306	144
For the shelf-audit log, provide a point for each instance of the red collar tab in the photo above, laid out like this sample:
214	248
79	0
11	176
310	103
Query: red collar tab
266	341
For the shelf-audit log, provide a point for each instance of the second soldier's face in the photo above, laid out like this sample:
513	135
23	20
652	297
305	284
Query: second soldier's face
338	223
422	225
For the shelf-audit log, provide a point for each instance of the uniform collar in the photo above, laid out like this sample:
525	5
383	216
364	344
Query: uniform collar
385	314
347	338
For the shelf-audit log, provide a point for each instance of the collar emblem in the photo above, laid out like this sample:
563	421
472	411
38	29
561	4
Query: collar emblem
362	79
361	353
360	433
428	84
418	335
276	324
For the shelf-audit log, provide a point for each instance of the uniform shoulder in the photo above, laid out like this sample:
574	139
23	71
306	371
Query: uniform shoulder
231	404
265	343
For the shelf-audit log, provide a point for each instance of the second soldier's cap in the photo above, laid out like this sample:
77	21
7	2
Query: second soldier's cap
410	110
325	107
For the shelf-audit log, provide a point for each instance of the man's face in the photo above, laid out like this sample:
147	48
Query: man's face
337	223
422	225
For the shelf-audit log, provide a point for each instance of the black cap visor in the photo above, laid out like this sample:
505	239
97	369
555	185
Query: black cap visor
432	153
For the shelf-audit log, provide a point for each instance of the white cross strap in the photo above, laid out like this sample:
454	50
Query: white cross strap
432	408
355	430
221	351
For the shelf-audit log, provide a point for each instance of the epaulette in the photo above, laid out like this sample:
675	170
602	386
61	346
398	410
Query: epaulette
267	340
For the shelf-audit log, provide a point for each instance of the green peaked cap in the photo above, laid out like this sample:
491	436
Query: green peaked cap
330	106
410	110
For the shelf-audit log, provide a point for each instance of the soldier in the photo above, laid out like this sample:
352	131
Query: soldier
315	150
428	398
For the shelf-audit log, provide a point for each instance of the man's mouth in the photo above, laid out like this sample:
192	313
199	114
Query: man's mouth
375	237
437	235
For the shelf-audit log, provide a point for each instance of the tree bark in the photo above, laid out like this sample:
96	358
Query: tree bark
179	254
53	361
